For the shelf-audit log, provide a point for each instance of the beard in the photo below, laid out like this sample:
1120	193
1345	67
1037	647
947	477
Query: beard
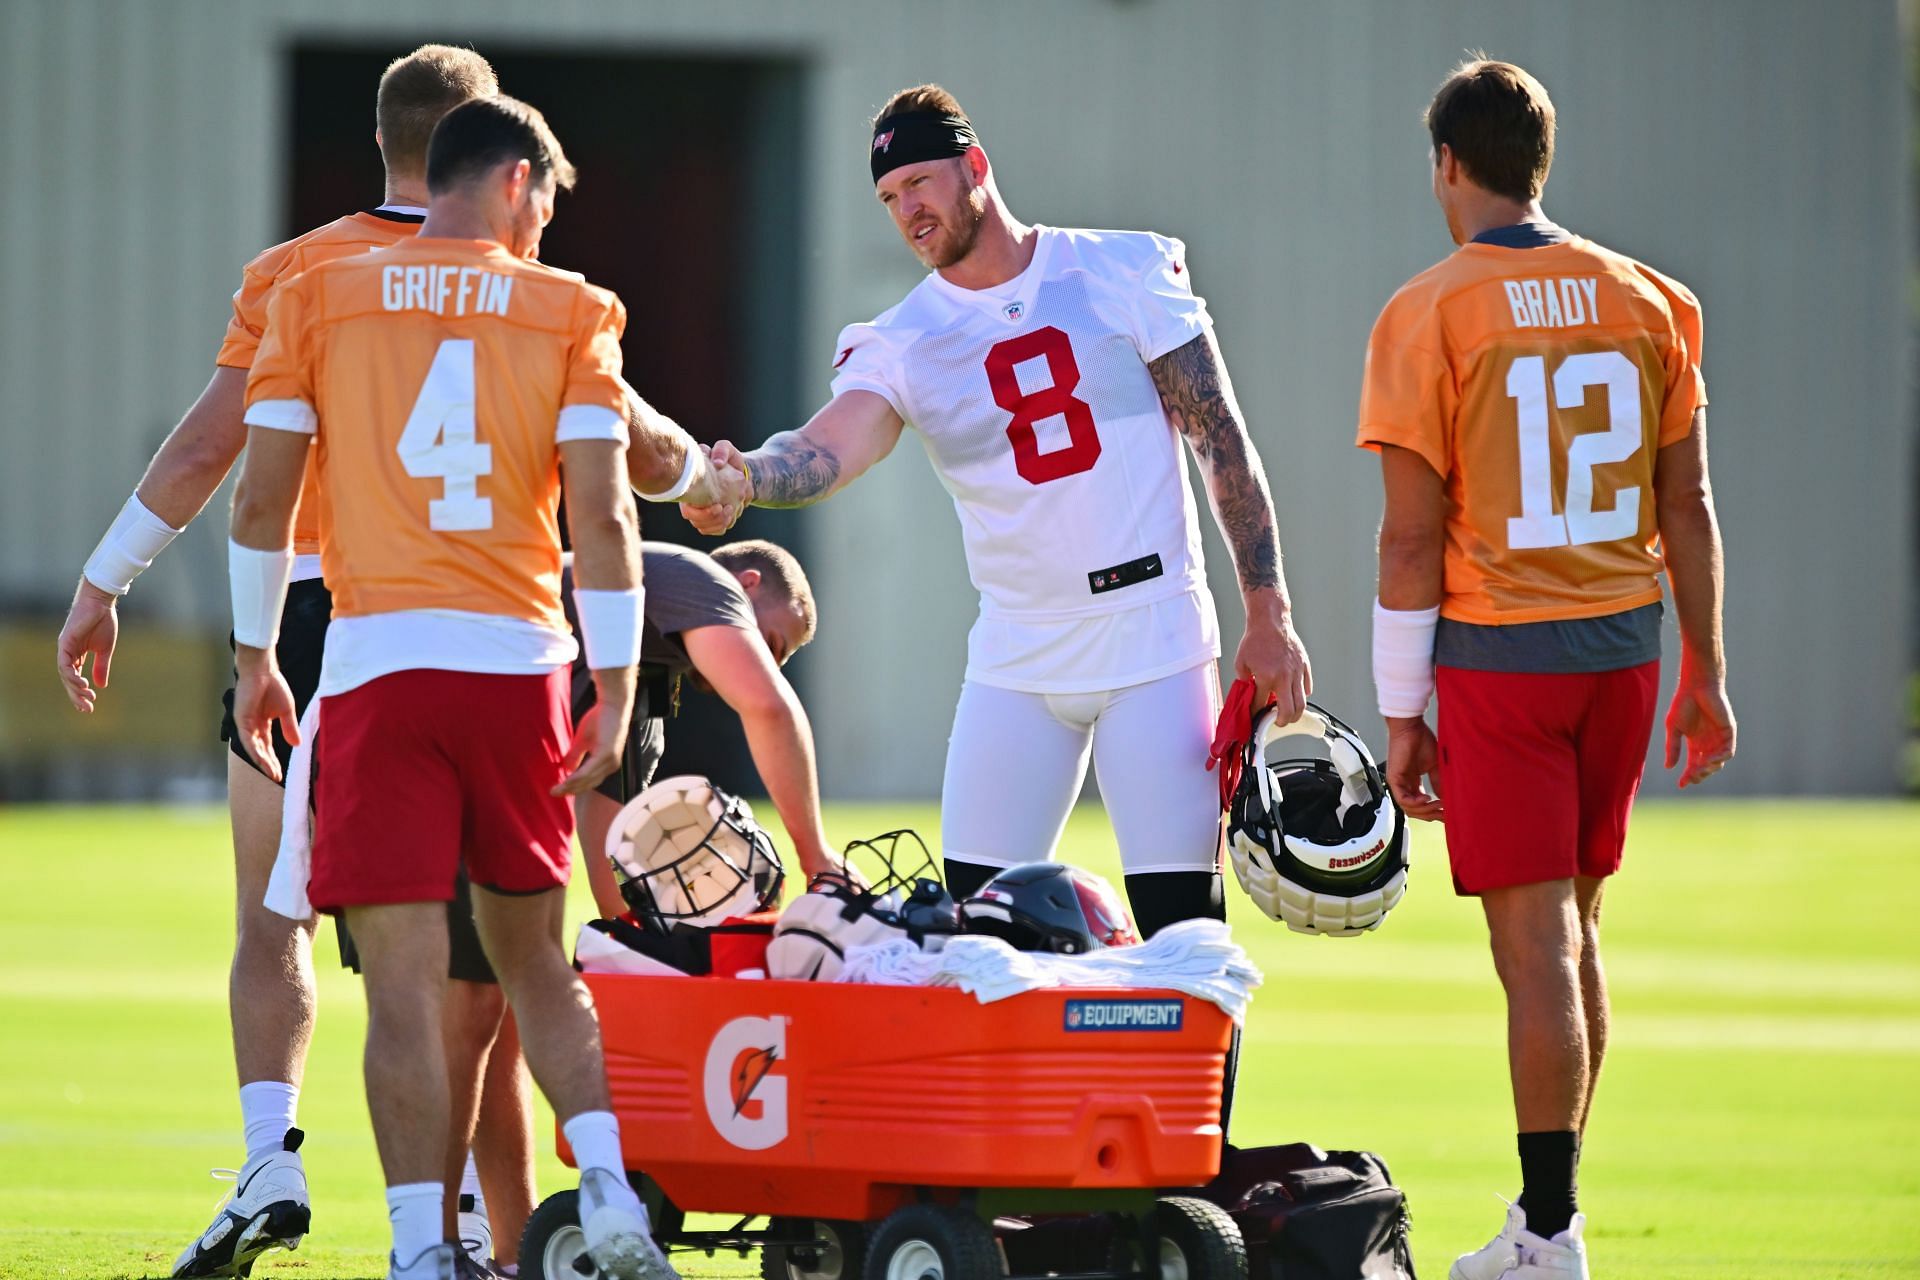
962	225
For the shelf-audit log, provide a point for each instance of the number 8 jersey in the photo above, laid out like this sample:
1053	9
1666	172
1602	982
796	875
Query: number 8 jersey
439	378
1037	409
1539	383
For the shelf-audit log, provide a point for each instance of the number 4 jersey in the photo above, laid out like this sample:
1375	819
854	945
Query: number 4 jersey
1539	382
439	378
1036	407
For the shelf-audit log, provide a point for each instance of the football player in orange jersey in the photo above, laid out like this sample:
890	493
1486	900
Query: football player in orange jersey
444	382
1540	415
271	986
271	993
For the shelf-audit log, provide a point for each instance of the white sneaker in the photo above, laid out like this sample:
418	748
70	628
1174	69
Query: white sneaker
432	1264
1498	1256
619	1237
1562	1258
476	1233
1518	1254
267	1210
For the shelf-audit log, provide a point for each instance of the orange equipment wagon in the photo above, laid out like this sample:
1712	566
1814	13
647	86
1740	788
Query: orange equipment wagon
882	1130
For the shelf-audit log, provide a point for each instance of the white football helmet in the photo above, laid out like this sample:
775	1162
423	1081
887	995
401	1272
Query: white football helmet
1317	844
687	852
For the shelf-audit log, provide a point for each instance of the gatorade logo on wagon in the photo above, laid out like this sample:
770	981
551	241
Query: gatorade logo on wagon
746	1100
1124	1015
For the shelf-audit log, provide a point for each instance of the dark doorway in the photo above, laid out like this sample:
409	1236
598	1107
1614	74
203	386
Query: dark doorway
686	207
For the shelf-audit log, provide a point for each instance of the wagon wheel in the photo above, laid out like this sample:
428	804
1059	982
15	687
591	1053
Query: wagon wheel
932	1242
553	1246
1198	1241
838	1251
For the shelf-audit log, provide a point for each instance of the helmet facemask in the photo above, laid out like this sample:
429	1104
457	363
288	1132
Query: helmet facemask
687	852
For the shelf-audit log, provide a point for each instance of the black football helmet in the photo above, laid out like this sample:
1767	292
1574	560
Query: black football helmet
1317	844
1049	906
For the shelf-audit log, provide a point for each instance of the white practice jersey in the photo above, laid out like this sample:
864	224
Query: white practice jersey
1035	404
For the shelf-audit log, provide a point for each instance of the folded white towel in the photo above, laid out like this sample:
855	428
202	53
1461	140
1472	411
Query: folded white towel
293	865
1198	957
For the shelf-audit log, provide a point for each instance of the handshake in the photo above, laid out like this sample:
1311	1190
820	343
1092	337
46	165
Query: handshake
722	492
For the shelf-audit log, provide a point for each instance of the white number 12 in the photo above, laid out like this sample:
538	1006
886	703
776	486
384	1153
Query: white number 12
438	441
1538	525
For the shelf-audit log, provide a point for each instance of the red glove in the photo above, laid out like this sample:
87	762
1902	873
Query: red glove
1231	736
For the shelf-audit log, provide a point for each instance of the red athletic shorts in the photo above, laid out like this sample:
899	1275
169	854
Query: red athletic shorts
1539	772
418	770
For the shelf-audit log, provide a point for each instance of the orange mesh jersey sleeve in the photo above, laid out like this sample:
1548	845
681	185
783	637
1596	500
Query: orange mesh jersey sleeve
593	374
356	233
1540	384
280	382
1407	395
1686	385
440	370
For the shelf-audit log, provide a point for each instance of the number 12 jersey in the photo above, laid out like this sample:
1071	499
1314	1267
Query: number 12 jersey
1036	407
1539	383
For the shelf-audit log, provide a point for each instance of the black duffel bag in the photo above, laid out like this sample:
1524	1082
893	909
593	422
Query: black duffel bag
1309	1214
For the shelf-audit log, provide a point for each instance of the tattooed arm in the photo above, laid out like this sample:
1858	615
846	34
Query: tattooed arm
799	468
1198	397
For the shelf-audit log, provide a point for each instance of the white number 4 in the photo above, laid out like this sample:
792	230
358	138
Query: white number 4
438	441
1538	525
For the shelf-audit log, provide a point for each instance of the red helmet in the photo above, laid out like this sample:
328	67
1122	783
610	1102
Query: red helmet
1049	906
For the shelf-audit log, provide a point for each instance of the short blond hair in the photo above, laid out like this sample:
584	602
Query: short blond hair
921	97
778	568
416	90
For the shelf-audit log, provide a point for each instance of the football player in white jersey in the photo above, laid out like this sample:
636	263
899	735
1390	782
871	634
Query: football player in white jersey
1052	374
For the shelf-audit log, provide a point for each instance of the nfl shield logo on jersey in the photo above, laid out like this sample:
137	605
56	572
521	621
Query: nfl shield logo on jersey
1014	310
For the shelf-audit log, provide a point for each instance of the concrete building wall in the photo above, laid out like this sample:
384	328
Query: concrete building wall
1756	149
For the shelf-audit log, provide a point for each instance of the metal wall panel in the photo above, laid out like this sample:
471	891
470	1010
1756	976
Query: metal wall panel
1754	148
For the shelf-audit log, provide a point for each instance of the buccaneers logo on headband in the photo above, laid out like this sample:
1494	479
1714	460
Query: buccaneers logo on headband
913	136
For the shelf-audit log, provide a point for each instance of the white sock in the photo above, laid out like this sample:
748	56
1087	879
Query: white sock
470	1185
267	1110
595	1139
414	1210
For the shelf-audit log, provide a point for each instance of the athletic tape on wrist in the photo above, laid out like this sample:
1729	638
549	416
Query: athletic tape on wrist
259	584
610	626
130	544
685	482
1403	659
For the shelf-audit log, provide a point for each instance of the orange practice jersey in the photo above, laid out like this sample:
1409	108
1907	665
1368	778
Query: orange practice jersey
1539	383
356	233
439	377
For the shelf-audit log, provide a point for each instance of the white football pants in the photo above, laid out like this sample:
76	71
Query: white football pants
1015	762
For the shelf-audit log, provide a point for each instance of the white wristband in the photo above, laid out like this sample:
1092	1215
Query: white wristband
685	482
1403	659
259	583
610	626
134	538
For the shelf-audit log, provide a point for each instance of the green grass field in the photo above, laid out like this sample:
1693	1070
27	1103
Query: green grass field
1759	1117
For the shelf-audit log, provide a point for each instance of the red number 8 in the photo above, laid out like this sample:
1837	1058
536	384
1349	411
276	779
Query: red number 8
1083	449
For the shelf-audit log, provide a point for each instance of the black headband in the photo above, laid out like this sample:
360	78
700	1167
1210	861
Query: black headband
912	136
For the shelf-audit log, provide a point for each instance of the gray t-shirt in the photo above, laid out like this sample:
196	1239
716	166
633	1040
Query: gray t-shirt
685	591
